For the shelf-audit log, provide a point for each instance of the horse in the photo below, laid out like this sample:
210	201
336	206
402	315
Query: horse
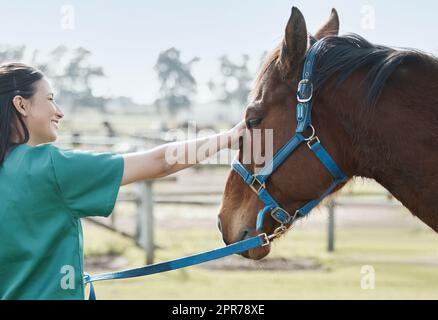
375	109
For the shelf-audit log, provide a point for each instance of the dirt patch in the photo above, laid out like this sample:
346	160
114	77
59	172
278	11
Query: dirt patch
110	262
234	263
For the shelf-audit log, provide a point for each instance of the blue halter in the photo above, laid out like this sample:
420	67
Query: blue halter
257	182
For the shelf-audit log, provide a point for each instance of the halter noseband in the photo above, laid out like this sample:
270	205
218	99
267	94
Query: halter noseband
257	182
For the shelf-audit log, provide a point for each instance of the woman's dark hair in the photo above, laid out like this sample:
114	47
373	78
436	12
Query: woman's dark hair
15	79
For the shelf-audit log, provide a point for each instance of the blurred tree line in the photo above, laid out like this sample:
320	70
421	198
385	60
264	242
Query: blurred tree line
72	76
70	72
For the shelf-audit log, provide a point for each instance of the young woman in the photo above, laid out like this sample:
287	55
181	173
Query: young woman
44	190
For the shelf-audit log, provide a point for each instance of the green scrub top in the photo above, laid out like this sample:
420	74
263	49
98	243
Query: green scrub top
44	191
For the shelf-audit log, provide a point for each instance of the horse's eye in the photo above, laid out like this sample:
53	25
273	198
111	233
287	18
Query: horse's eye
251	123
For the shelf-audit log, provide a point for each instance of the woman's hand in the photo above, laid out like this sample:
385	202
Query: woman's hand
235	133
166	159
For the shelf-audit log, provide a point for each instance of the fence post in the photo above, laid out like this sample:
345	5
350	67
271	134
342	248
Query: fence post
331	226
145	220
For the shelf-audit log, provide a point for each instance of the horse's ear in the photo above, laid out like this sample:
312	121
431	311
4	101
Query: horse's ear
331	28
294	45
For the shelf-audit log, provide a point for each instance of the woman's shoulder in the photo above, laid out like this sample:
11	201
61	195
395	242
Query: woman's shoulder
30	163
23	150
37	158
35	154
47	149
41	148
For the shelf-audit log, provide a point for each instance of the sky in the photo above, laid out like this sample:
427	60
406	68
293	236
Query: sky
126	37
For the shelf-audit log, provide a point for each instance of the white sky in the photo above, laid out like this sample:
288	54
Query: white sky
126	37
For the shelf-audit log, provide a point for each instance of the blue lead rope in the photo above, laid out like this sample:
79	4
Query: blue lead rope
241	246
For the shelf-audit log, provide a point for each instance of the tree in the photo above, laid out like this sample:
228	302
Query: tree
73	77
8	53
177	82
69	71
235	80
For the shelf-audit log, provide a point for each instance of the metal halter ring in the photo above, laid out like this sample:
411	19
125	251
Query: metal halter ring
256	189
295	215
313	133
278	232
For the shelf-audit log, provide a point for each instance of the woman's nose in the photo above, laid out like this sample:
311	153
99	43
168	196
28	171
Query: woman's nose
60	113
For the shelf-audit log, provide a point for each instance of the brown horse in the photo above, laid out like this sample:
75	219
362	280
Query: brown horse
375	109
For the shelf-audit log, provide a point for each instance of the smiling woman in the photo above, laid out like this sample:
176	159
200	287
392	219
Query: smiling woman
45	190
29	113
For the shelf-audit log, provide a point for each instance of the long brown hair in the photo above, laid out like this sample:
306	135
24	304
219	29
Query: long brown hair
15	79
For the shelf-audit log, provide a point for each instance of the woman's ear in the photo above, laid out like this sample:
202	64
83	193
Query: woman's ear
331	28
20	104
294	45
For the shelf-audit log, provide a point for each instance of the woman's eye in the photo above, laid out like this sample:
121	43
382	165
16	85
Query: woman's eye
251	123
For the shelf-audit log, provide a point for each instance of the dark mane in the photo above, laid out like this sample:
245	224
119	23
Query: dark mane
346	54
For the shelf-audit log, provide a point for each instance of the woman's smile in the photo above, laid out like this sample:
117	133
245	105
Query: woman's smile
55	124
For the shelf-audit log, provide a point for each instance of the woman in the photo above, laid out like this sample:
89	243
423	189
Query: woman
44	190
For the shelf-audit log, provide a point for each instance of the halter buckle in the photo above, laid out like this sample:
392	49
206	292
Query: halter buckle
254	187
302	88
282	222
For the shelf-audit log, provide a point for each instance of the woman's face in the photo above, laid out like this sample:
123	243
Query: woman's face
42	115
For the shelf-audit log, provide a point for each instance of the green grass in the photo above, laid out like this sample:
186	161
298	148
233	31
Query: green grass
405	264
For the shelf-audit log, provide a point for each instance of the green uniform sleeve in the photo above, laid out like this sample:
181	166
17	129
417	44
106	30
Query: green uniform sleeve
89	182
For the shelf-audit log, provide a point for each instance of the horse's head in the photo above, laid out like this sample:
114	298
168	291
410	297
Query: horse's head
273	106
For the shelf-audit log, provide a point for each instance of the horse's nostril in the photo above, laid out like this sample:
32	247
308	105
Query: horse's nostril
244	234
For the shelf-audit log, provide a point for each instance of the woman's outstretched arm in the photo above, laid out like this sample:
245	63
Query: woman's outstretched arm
172	157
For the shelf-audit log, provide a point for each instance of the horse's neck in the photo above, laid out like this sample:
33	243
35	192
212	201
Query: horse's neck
396	144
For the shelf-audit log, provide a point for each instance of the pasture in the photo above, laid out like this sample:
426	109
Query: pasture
405	262
401	249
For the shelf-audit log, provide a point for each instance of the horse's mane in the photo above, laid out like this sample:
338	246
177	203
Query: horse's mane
346	54
341	56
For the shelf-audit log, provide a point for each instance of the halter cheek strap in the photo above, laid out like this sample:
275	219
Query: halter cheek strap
257	182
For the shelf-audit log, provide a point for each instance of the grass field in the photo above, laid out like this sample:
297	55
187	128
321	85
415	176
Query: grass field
405	264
